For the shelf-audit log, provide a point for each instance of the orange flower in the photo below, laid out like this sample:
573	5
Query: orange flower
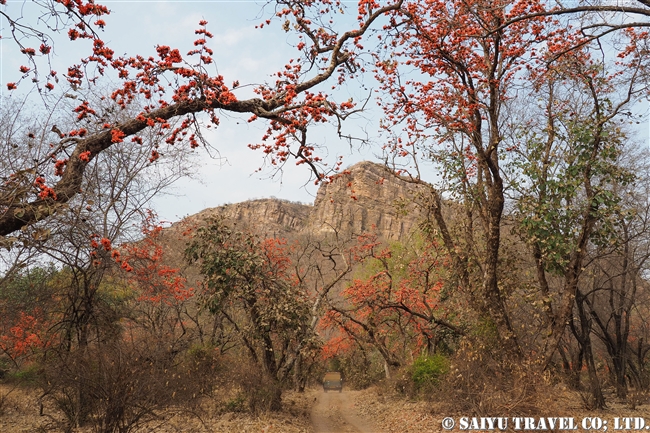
117	136
106	243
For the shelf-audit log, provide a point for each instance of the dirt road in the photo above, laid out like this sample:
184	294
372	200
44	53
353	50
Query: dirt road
334	412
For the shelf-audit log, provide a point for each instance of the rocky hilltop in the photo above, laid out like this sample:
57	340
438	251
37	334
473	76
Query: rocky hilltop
367	197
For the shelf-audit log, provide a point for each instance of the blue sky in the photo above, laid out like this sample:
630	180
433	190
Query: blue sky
242	53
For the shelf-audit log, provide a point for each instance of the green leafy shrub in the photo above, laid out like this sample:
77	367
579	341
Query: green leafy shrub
427	370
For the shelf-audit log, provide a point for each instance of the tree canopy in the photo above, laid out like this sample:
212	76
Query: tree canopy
525	107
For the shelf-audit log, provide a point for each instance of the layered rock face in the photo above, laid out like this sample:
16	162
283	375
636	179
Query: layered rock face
367	198
272	217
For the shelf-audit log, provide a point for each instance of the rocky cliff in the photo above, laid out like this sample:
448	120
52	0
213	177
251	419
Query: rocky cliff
367	197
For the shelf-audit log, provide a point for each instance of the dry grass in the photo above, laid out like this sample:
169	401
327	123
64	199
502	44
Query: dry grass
395	414
390	411
21	415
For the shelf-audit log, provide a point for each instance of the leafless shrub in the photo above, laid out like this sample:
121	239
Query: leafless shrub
261	391
479	385
401	383
635	398
115	388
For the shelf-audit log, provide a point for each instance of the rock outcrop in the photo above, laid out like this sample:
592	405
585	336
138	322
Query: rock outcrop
367	197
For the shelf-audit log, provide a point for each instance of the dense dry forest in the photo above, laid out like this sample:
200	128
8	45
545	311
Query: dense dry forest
519	266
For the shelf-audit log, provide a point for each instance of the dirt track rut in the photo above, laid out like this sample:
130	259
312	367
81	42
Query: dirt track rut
334	412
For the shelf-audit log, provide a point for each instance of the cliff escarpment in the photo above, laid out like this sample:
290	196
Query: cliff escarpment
367	197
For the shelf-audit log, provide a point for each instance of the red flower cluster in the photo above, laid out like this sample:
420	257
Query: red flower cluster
84	110
59	166
156	282
46	191
25	336
117	136
106	243
85	156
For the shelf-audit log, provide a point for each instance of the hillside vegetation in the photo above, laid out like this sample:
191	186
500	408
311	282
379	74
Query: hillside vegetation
495	263
228	310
